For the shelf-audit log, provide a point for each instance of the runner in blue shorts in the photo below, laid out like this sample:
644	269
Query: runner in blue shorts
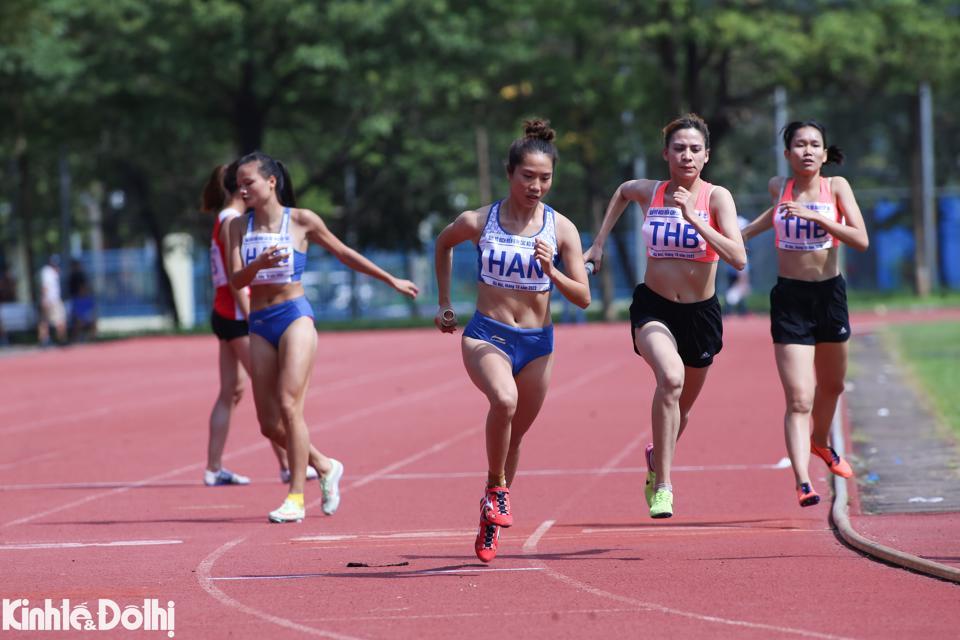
268	252
508	345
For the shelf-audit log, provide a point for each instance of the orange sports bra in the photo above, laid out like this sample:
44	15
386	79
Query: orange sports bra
668	235
798	234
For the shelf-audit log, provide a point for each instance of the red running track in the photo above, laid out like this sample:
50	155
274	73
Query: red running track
100	482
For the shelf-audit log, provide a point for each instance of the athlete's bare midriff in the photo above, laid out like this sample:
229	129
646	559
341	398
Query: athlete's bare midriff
522	309
683	281
809	266
267	295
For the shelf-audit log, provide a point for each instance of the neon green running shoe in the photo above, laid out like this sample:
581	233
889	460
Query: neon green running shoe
650	486
662	506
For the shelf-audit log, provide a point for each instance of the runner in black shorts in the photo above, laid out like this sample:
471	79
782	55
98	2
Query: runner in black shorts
228	319
811	216
228	329
696	326
689	225
804	312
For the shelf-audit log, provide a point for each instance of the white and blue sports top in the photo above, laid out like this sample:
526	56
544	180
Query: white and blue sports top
508	261
290	269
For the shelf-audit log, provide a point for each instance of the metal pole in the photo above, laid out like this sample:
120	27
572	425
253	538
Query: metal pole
640	262
927	182
779	123
350	195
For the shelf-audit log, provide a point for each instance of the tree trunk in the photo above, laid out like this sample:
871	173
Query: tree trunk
25	196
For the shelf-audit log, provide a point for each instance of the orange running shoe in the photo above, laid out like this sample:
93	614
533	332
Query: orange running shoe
488	539
837	465
806	495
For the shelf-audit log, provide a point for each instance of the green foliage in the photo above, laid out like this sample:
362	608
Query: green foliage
145	97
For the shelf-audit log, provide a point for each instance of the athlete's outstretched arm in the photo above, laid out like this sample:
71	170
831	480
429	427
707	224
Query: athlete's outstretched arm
317	232
467	226
631	190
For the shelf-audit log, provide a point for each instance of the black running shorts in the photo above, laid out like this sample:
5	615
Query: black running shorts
804	312
696	326
226	329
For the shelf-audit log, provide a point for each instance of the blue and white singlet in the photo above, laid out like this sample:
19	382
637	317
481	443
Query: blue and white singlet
290	269
509	261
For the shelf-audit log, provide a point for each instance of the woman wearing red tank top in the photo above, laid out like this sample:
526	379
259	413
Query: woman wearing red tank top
228	319
808	306
675	318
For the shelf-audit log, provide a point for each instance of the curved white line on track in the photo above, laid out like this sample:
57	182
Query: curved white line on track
652	606
530	548
206	582
205	568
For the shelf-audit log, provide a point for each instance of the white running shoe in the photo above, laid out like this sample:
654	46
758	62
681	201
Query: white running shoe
222	477
289	511
285	474
330	485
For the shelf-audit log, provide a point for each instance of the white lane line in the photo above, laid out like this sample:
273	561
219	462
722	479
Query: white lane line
97	496
59	419
531	543
205	568
651	606
378	374
207	583
397	570
194	390
692	529
37	458
484	570
525	613
257	446
78	545
386	536
530	549
451	475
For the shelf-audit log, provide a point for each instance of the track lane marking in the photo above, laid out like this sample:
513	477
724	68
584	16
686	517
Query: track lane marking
78	545
530	547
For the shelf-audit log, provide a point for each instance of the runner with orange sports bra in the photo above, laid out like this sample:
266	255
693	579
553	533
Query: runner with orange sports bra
809	321
675	320
507	346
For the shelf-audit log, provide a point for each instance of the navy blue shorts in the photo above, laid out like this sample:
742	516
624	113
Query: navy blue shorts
270	323
521	346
